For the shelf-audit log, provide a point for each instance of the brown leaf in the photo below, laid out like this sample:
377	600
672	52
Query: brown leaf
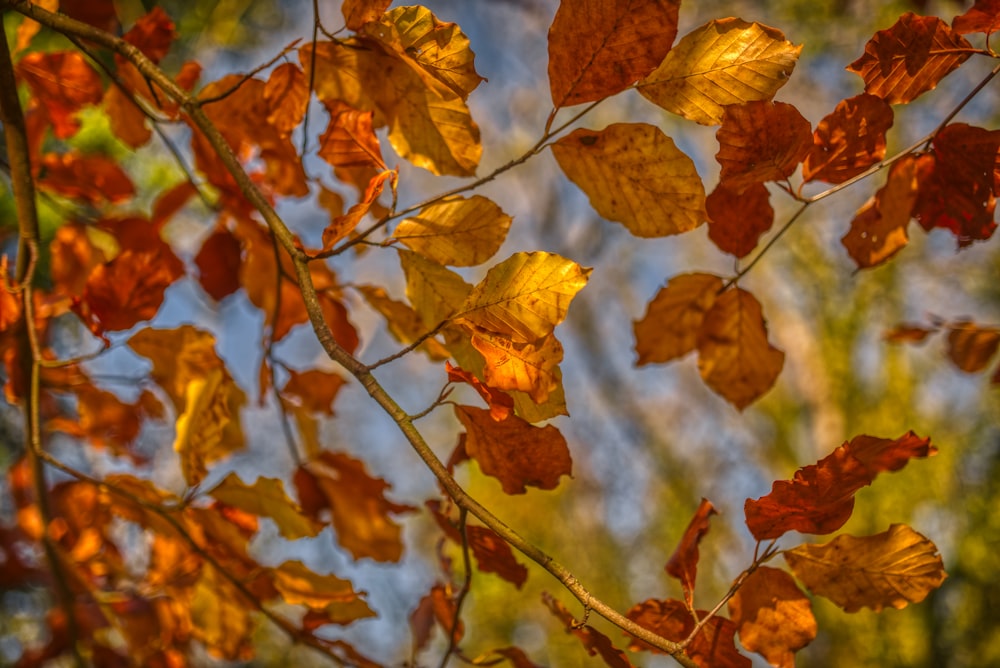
500	403
152	34
494	555
314	390
334	597
635	175
218	264
514	451
910	58
266	498
904	333
595	642
683	563
598	48
713	647
287	95
894	568
349	140
673	318
735	358
878	230
761	141
819	499
983	16
971	347
772	615
849	140
736	221
95	179
61	83
341	226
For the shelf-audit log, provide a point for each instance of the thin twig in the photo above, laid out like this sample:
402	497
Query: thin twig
419	341
463	515
248	76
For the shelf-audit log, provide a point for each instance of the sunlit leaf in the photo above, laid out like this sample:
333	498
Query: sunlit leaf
683	563
208	429
457	231
500	403
221	617
153	34
525	367
525	296
972	347
596	643
713	647
287	94
299	585
402	320
61	83
907	333
599	48
94	179
341	226
492	553
349	140
515	452
266	498
849	140
437	293
878	230
726	61
218	264
890	569
910	58
735	358
772	616
761	141
359	12
314	390
669	329
634	175
736	221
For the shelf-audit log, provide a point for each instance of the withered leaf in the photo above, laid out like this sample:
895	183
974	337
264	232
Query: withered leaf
736	221
971	347
761	141
849	140
772	616
670	327
683	563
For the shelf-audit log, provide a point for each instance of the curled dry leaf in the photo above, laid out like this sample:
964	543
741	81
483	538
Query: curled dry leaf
772	616
761	141
635	175
736	221
683	563
669	329
849	140
724	62
596	643
890	569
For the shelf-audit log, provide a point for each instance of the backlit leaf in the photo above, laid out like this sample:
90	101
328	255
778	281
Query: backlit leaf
94	179
61	83
359	12
983	16
772	615
349	140
266	498
208	429
894	568
735	358
218	264
153	34
514	451
287	94
849	140
878	230
493	554
593	640
500	403
726	61
635	175
971	347
457	231
819	499
437	293
299	585
713	647
221	617
314	390
910	58
736	221
599	48
761	141
683	563
526	367
669	329
341	226
525	296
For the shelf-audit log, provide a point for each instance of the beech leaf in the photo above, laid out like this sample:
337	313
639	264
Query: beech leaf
772	616
878	230
761	141
849	140
683	563
971	347
436	292
457	231
266	498
531	368
737	220
593	640
299	585
670	327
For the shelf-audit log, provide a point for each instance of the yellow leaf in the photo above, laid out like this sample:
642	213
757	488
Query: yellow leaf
403	322
670	327
734	356
555	405
598	48
208	429
439	49
636	176
527	367
178	356
726	61
267	498
436	293
300	586
525	296
458	232
893	568
772	615
220	617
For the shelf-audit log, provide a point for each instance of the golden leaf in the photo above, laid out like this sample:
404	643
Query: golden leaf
525	296
526	367
336	597
267	498
458	232
670	327
726	61
403	322
208	429
436	293
893	568
221	617
635	175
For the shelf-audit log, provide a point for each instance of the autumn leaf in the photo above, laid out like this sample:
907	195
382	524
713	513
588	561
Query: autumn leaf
515	452
669	329
849	140
726	61
349	140
359	12
593	640
94	179
819	499
61	83
218	264
983	16
220	617
333	596
266	498
342	226
907	333
153	34
287	94
531	368
736	221
761	141
772	615
456	231
314	390
208	428
500	403
525	296
713	647
492	553
878	230
683	563
910	58
634	175
402	320
894	568
971	347
437	605
735	358
598	48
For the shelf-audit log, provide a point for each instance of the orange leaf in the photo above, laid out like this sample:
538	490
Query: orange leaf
774	618
218	264
971	347
75	254
104	419
673	318
492	553
287	94
61	83
266	497
514	451
894	568
403	322
983	16
500	403
314	390
349	140
593	640
329	594
359	12
126	118
713	647
736	221
152	34
819	499
599	48
908	333
92	178
735	358
849	140
761	141
520	367
878	230
341	226
683	563
357	503
910	58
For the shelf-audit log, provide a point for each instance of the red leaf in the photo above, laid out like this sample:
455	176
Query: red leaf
736	221
152	34
971	347
819	499
713	647
683	564
593	640
878	230
849	140
761	141
492	553
983	16
501	404
92	178
218	264
62	83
